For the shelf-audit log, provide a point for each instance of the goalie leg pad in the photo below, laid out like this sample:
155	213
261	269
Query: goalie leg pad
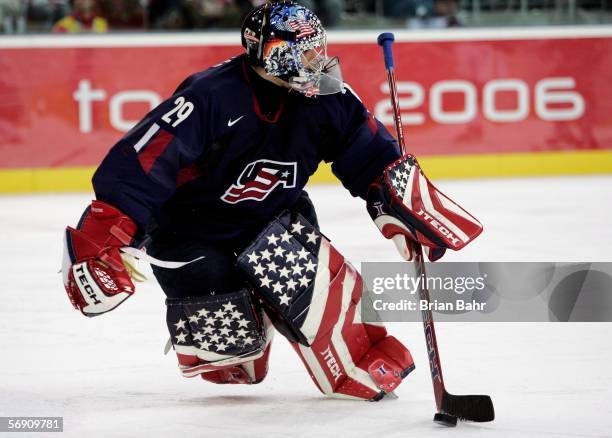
222	338
313	296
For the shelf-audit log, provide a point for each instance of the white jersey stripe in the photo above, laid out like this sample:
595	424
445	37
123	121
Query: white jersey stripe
145	138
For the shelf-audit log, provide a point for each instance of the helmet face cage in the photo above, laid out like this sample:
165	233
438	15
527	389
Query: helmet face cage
291	44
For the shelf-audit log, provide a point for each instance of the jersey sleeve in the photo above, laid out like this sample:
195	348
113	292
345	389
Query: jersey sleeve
364	147
140	172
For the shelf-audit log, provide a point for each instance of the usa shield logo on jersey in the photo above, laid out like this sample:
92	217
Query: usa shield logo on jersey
259	179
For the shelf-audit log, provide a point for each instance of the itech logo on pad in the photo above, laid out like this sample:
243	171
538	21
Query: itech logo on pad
259	179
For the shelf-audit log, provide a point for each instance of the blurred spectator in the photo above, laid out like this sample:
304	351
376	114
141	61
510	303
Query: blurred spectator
171	15
12	16
446	12
329	11
443	15
42	14
219	13
124	14
84	18
407	8
192	14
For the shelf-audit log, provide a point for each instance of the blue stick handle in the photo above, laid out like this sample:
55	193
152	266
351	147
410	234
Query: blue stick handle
385	40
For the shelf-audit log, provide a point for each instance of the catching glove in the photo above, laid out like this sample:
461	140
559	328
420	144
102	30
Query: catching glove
408	209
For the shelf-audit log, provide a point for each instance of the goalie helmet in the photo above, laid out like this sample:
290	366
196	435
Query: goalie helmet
289	42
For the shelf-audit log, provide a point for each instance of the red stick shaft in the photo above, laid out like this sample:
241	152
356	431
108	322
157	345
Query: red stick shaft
397	116
428	323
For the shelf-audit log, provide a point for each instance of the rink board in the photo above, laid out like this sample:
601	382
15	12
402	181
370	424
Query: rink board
66	179
476	103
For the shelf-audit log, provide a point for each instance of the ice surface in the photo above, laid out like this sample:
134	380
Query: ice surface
108	377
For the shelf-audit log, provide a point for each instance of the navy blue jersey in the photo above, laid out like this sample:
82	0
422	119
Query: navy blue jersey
208	163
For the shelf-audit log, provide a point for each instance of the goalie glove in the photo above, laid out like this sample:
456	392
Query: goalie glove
94	274
407	208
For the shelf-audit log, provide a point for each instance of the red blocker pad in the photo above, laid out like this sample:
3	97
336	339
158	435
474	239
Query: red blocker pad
94	275
313	296
95	289
222	338
405	203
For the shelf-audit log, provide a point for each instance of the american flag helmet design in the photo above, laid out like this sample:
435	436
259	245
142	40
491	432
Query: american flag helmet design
277	34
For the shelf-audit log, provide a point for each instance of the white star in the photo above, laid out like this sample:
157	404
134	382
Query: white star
241	332
284	299
215	338
284	272
265	255
204	345
203	313
253	257
297	227
265	282
231	340
180	324
278	251
291	284
303	254
194	319
312	237
310	266
249	341
197	336
219	314
297	269
272	240
208	330
259	270
285	237
272	267
221	347
304	281
285	174
278	288
180	337
236	314
243	323
224	331
291	257
226	321
229	307
210	321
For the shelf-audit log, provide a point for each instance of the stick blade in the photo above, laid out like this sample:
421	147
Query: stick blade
478	408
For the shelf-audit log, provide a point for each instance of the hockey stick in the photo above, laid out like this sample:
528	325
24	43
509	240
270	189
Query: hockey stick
450	407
